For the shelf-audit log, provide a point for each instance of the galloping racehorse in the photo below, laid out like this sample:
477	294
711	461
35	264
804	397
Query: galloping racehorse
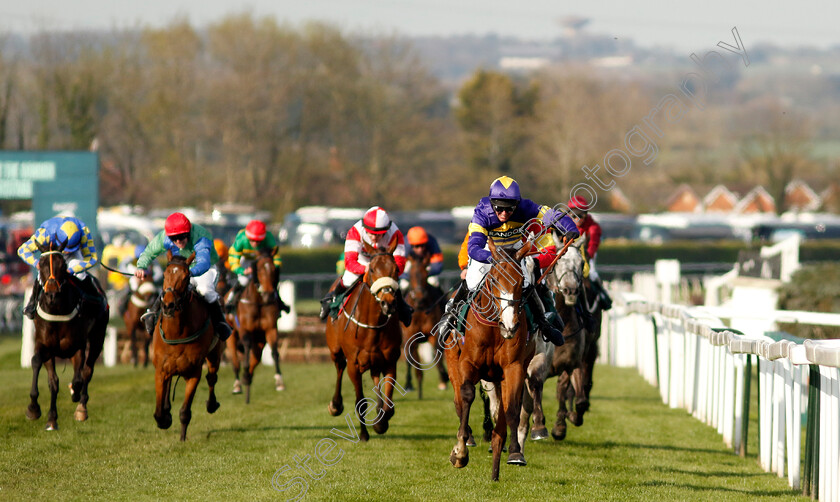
137	304
495	348
367	336
66	324
184	338
255	324
428	309
565	281
592	303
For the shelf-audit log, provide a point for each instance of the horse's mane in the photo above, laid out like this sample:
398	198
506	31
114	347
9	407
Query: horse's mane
176	258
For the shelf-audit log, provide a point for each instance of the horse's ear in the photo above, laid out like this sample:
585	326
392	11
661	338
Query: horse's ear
274	250
169	255
524	250
392	246
367	248
493	249
191	258
63	244
41	247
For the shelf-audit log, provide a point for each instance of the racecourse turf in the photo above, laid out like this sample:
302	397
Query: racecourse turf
632	447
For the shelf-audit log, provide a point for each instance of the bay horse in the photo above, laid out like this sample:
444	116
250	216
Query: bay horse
184	338
255	324
366	336
134	327
495	348
566	281
67	323
592	303
428	309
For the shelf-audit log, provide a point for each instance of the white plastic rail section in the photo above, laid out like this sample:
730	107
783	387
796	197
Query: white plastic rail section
699	365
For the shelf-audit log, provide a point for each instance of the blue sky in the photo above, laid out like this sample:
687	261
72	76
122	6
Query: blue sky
678	24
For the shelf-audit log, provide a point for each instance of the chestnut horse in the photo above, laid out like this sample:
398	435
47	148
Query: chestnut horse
134	327
255	324
366	336
428	309
66	324
495	348
184	338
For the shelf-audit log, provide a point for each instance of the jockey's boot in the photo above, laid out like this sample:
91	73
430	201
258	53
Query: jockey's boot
329	298
549	323
404	310
150	317
233	296
449	320
606	301
281	305
223	329
29	310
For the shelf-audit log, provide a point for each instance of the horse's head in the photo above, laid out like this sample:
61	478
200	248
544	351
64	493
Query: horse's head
567	276
418	275
381	276
52	267
176	282
505	283
265	275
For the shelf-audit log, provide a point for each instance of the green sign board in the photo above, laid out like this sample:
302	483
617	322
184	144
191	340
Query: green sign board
57	183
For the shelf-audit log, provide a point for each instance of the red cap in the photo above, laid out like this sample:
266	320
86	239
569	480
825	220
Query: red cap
255	230
376	220
177	223
578	202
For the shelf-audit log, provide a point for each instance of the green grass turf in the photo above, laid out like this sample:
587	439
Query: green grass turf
632	447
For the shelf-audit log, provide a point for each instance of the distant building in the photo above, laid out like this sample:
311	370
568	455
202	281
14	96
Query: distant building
719	200
619	202
800	197
830	198
756	201
684	200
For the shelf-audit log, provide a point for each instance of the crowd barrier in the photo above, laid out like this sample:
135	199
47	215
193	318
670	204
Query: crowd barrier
702	366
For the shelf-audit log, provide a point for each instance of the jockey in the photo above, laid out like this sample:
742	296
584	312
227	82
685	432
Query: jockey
422	245
247	245
579	209
129	264
222	251
501	216
79	252
183	238
374	228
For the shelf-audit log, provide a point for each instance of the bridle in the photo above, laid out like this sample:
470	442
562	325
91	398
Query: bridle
494	306
180	297
52	277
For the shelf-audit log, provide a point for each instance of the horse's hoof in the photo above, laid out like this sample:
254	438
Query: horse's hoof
279	385
441	386
458	460
558	433
164	422
237	387
51	426
212	406
577	419
364	436
81	414
380	427
538	434
409	388
335	411
517	459
33	412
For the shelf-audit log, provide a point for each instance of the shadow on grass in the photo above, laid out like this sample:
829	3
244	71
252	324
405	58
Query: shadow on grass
709	474
610	445
712	489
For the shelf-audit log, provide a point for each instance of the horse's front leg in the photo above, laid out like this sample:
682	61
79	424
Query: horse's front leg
581	402
247	347
186	409
78	391
33	411
214	358
233	353
361	403
271	338
535	382
96	340
52	415
559	430
336	405
512	387
385	392
460	455
162	415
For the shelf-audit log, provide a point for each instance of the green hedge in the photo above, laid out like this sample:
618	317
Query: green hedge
322	260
